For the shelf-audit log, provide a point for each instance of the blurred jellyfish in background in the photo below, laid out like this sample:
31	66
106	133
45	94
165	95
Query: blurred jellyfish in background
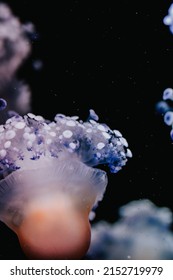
3	104
49	186
14	49
164	107
141	233
168	20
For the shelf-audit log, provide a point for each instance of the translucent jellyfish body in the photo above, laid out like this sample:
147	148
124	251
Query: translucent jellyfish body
49	185
141	233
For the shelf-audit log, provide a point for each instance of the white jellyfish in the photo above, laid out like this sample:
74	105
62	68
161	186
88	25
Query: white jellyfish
141	233
48	184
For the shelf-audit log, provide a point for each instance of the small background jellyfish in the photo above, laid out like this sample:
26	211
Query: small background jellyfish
15	47
113	68
168	20
142	233
164	107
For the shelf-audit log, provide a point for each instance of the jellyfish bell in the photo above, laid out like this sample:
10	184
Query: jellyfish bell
49	208
49	186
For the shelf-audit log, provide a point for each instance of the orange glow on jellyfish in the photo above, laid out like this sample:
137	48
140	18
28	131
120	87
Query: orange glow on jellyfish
49	184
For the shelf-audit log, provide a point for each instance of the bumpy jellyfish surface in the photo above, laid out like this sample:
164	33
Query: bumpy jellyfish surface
49	185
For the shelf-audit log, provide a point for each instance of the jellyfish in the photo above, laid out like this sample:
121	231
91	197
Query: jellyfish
142	232
3	104
164	107
49	185
168	20
15	47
